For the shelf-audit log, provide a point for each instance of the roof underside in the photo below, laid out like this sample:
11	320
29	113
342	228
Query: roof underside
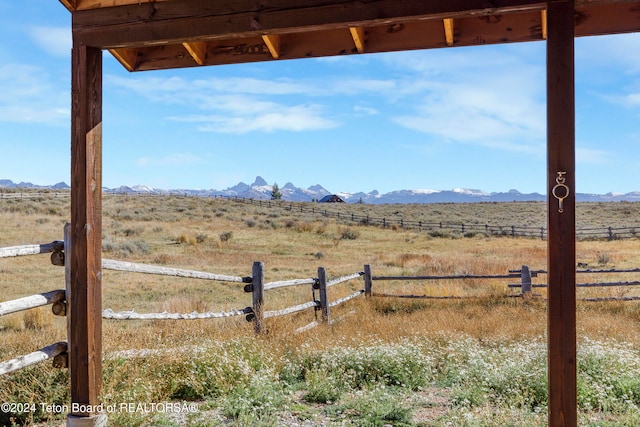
153	35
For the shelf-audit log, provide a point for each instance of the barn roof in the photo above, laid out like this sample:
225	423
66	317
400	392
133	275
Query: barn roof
164	34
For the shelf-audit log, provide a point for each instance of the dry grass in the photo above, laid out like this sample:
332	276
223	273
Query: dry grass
226	237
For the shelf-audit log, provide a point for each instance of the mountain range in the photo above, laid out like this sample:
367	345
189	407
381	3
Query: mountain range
260	189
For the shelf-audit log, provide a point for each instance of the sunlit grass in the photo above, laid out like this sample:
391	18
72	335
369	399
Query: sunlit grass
486	355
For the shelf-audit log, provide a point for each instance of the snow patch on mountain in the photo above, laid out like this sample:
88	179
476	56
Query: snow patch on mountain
262	190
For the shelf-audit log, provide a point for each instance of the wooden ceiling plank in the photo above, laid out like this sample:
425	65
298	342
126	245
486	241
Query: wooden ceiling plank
222	52
180	21
448	30
273	44
198	51
423	34
127	57
97	4
510	28
71	5
602	19
357	33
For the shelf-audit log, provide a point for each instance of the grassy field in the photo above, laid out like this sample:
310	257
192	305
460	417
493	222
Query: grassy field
478	361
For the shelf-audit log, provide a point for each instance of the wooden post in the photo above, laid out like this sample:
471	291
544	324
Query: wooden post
85	253
525	282
258	297
368	283
324	298
561	323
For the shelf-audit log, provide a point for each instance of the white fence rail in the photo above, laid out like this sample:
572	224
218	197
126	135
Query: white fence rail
132	314
37	356
13	251
32	301
133	267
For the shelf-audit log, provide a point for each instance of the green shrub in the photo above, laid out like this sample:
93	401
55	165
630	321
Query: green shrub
226	236
127	248
348	234
256	402
322	387
377	407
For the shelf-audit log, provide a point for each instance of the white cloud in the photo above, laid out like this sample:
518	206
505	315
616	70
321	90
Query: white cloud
56	41
238	104
477	99
485	97
633	100
369	111
279	118
28	96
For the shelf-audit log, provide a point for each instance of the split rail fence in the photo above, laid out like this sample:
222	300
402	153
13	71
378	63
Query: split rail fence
255	285
56	298
608	233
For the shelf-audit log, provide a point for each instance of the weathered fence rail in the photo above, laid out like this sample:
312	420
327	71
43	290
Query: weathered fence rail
524	273
255	285
132	314
55	298
38	356
287	283
31	194
133	267
13	251
32	301
527	288
610	233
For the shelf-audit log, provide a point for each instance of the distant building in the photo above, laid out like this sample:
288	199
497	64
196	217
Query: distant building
331	198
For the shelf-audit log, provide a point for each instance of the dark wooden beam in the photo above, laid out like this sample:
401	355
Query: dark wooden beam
85	311
425	34
96	4
561	323
179	21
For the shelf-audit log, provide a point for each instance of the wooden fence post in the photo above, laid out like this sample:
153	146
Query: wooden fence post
324	298
368	283
258	297
525	281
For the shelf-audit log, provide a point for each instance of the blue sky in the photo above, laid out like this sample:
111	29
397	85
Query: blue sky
434	119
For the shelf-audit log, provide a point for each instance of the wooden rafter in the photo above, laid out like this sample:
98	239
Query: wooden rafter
357	33
197	50
70	4
95	4
146	24
273	44
127	57
186	33
448	31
